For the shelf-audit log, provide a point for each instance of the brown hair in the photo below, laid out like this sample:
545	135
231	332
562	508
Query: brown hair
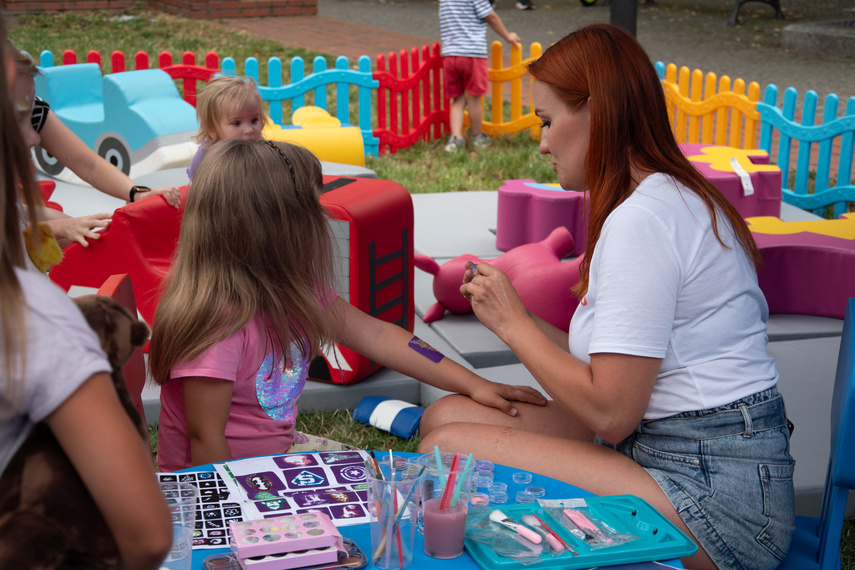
16	182
216	96
605	67
254	240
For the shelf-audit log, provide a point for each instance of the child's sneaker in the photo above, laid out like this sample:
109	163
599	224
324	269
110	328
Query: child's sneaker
525	5
455	144
481	141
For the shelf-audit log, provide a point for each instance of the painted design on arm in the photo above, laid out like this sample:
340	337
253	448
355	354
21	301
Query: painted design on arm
425	349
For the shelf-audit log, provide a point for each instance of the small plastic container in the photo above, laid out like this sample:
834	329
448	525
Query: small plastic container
537	492
498	498
522	478
484	480
498	488
477	500
484	465
525	497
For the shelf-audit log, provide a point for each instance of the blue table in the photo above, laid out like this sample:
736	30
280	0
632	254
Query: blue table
360	533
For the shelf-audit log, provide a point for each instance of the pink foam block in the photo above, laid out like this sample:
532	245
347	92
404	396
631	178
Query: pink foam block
807	273
529	211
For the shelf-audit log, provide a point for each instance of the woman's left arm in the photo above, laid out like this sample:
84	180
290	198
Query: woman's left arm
72	152
391	346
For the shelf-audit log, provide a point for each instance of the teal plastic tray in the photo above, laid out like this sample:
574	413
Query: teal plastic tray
658	538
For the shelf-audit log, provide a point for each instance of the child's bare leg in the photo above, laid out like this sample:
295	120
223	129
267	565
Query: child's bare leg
455	116
476	113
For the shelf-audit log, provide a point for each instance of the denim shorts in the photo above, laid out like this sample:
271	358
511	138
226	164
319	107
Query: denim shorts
729	474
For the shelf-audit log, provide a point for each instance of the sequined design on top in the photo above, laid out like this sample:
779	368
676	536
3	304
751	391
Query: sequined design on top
278	387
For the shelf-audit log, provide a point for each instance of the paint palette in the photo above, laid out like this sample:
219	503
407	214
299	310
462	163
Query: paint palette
327	557
288	541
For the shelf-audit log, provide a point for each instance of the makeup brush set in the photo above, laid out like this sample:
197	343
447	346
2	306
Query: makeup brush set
573	533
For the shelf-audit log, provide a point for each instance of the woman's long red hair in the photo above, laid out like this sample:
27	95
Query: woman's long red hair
605	67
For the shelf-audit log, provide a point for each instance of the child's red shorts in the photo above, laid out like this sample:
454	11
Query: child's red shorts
467	74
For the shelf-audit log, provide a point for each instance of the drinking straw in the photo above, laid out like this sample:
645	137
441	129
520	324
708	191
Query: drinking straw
449	484
400	514
457	488
438	462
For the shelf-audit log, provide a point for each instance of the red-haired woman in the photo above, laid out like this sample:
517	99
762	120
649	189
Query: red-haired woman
663	387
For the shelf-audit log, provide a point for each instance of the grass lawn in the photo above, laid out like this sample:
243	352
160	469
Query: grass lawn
425	167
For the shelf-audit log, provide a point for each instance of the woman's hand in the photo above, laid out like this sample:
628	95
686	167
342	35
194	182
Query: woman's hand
494	300
171	194
68	230
500	396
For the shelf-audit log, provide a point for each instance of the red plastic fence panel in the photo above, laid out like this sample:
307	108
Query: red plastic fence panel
411	93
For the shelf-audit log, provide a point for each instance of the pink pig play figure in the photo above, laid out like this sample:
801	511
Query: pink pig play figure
535	269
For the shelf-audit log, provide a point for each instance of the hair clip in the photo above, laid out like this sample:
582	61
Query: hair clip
275	147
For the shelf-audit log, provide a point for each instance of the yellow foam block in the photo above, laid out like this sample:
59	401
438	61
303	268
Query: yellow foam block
322	134
718	157
843	228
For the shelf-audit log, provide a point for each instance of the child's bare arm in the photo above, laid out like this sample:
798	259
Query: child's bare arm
207	402
496	24
398	349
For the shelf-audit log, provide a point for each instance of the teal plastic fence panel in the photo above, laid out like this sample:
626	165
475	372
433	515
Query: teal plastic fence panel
832	131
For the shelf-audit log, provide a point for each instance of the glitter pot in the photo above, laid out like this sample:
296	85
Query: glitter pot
484	479
479	499
498	498
536	491
525	497
484	465
521	477
498	488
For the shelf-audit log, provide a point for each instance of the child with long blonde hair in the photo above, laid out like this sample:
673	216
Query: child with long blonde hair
228	108
249	302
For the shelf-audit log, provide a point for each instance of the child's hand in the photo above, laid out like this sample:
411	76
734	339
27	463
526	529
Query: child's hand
500	396
67	230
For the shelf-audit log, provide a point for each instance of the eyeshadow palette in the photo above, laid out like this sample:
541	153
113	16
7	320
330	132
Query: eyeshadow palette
284	534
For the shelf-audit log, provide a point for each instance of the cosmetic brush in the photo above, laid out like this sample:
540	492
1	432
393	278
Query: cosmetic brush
501	518
551	539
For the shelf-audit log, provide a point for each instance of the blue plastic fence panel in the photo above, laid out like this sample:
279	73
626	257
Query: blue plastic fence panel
46	59
228	66
319	65
342	93
369	141
298	72
274	80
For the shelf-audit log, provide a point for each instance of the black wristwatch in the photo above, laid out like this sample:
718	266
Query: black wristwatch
136	189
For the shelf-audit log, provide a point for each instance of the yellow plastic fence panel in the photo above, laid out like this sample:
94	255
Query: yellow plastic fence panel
702	111
514	75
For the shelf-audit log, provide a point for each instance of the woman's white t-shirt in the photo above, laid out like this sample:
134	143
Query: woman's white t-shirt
662	285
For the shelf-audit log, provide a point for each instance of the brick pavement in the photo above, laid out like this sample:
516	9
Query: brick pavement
328	35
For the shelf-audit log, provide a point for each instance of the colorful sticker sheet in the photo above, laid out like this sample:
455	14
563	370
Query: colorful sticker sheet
217	507
332	482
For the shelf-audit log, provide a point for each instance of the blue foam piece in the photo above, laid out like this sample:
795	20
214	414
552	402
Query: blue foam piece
405	423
